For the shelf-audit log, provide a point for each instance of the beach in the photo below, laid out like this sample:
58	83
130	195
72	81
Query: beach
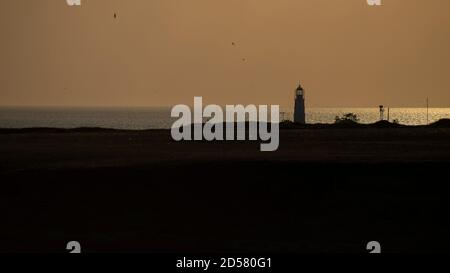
326	189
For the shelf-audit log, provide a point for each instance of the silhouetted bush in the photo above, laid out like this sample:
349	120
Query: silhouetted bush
347	118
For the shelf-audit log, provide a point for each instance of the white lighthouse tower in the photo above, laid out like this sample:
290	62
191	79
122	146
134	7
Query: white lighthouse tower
299	109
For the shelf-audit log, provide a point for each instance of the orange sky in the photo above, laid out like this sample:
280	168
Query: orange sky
164	52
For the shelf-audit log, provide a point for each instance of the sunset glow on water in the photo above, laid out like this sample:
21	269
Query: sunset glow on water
139	118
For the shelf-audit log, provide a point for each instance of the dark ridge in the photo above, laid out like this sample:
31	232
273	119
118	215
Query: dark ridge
341	125
442	123
386	124
347	124
55	130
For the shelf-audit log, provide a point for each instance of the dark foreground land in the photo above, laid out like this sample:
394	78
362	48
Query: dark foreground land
324	190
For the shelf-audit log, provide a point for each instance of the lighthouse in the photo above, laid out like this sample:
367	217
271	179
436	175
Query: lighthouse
299	109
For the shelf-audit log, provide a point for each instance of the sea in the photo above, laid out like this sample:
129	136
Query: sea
140	118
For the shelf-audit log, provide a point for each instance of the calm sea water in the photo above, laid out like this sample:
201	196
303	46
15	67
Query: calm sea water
149	118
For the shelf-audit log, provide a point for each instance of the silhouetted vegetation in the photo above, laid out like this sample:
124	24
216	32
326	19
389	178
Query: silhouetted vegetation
347	118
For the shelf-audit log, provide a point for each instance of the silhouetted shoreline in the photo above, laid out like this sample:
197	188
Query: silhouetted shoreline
443	123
